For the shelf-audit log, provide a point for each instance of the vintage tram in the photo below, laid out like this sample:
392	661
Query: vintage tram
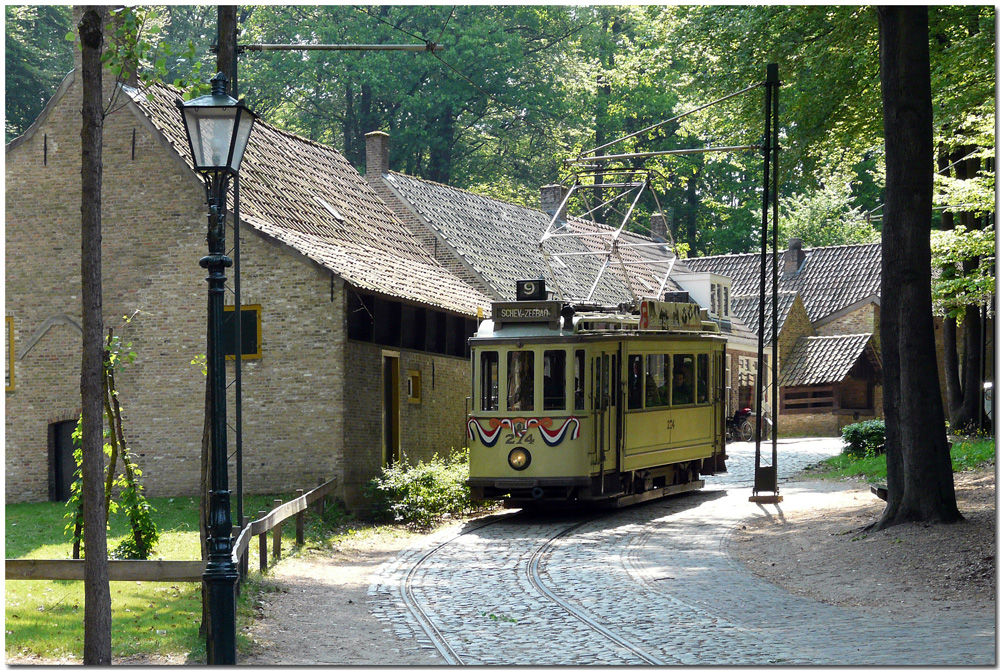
585	404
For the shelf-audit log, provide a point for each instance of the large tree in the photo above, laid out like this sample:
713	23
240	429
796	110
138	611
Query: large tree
97	591
919	479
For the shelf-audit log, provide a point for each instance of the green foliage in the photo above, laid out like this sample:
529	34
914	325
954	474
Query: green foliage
866	438
950	249
969	454
144	536
826	216
422	493
965	455
46	617
36	59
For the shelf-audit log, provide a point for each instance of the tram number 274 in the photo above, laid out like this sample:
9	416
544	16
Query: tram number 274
526	438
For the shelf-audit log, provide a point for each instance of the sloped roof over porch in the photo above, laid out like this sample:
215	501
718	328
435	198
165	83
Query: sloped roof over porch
827	359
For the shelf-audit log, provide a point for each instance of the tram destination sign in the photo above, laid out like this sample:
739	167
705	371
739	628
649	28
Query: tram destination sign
527	311
657	315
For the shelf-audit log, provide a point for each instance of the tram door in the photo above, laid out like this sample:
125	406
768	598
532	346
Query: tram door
604	373
719	366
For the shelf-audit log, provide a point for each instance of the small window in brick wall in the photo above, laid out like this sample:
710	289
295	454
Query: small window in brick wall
413	386
250	331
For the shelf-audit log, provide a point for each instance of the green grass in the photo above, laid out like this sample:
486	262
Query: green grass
965	455
45	618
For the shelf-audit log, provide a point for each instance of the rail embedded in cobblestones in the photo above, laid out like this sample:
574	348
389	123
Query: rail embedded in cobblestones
534	576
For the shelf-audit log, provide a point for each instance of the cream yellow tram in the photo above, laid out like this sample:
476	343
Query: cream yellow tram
574	404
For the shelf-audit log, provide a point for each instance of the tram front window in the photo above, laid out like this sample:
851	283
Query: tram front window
521	381
554	387
489	391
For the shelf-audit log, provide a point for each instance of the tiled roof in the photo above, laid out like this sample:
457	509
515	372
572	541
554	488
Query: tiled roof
308	196
824	359
500	242
830	279
747	308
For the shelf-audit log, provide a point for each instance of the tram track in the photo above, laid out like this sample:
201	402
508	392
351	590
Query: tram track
435	635
535	578
533	572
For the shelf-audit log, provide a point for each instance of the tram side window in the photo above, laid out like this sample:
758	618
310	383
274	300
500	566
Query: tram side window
635	382
702	386
578	376
489	372
554	386
521	381
657	376
683	393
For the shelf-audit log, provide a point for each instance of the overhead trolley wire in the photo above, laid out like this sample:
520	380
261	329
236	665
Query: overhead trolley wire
663	123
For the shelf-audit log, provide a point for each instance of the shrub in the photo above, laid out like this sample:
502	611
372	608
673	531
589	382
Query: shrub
864	439
419	494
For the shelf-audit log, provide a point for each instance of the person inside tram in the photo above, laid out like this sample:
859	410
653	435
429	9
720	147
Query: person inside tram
682	388
635	383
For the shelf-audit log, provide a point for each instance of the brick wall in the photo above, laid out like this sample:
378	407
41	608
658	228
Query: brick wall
796	325
435	425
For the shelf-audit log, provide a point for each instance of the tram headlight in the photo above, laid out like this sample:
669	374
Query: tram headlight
519	458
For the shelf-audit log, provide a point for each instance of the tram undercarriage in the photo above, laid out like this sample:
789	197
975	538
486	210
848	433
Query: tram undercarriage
614	489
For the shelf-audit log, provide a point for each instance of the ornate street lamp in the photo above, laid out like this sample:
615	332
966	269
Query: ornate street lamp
218	128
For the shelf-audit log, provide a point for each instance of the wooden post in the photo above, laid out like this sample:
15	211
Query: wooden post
300	522
262	550
276	549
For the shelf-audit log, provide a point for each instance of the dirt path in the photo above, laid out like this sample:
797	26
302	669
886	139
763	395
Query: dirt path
821	551
319	612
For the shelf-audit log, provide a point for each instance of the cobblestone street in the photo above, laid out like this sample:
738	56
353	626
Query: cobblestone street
653	584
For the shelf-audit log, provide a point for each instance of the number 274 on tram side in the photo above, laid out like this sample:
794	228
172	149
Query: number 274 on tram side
572	407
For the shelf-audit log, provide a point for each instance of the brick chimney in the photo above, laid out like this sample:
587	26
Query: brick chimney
552	196
658	227
376	155
794	256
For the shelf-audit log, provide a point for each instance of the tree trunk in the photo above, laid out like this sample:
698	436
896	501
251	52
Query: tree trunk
226	60
97	592
920	482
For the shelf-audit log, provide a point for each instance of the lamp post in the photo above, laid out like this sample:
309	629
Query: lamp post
218	128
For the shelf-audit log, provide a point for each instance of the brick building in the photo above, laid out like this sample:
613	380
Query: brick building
357	348
828	348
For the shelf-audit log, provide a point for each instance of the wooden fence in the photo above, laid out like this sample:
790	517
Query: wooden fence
188	571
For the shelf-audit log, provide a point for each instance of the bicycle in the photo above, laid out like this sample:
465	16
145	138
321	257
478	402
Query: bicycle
738	426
